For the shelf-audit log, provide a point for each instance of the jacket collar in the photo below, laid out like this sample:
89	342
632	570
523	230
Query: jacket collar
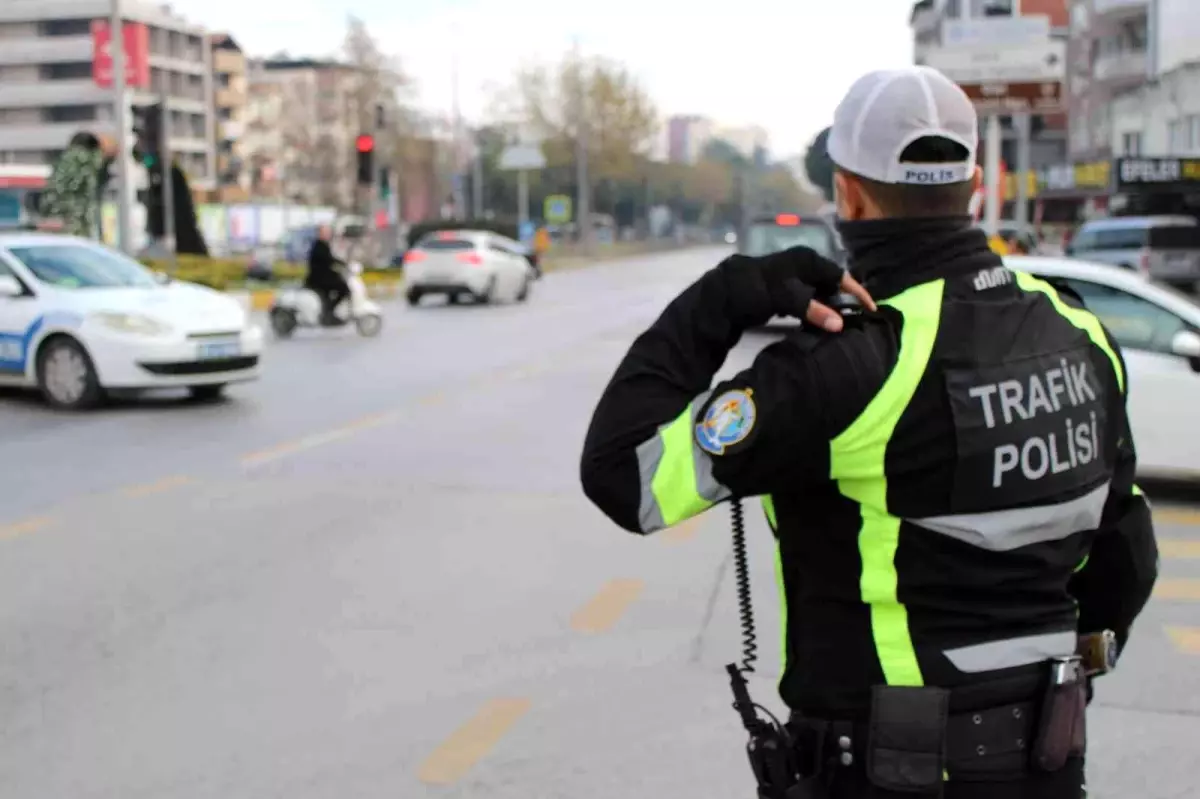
889	256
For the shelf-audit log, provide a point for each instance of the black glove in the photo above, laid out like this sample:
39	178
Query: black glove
779	284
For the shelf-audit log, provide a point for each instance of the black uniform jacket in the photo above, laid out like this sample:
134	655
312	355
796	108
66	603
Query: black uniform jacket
1016	520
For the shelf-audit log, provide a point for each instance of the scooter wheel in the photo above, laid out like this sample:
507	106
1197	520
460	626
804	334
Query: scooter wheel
283	322
369	325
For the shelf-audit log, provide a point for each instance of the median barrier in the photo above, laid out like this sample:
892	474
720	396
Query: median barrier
233	276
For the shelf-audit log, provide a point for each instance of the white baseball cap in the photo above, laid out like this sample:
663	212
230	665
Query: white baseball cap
886	111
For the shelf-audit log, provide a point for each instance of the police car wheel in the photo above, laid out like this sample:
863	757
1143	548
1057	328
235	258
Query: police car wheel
526	287
414	297
66	376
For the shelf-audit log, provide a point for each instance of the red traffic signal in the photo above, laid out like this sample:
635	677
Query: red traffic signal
365	143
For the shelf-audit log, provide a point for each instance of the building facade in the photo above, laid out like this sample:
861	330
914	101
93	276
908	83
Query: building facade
687	136
1049	133
1117	49
47	94
230	97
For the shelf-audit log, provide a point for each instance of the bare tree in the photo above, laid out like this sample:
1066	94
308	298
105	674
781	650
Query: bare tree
378	85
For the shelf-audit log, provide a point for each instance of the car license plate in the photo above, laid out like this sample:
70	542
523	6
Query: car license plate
219	349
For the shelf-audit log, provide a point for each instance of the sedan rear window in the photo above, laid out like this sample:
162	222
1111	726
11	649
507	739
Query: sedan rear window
445	245
763	239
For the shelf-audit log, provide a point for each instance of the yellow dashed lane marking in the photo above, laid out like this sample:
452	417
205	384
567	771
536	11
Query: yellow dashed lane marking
606	608
1186	639
1177	589
471	742
1178	548
23	527
1176	516
165	484
309	442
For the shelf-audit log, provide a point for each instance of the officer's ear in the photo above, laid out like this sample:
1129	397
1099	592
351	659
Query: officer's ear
852	202
977	179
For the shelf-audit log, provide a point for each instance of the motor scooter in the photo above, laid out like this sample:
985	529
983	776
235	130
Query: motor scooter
301	307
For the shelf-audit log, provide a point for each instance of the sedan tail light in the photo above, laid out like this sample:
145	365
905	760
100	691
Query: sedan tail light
412	256
472	258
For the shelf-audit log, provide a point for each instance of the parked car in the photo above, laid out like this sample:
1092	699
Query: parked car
1158	329
1164	247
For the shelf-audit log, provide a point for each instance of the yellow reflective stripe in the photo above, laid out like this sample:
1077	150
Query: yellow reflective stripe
783	612
674	483
768	503
857	459
1084	320
1082	563
1137	490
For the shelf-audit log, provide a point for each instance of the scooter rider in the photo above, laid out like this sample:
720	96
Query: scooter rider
949	475
322	278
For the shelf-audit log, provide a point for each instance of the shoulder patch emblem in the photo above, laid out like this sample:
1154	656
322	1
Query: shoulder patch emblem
728	420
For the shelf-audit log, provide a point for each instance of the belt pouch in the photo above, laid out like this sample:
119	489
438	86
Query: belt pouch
906	745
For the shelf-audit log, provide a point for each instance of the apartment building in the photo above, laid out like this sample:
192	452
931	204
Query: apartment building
751	141
47	94
230	97
1120	51
687	137
301	118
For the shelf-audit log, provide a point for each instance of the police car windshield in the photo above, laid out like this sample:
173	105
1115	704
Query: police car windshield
74	266
764	238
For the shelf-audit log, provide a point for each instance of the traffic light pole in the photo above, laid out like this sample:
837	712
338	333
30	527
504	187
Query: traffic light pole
168	182
121	117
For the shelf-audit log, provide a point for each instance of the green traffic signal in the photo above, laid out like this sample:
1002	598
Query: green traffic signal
149	160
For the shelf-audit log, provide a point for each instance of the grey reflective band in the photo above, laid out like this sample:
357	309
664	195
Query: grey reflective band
688	486
1006	530
649	455
1012	652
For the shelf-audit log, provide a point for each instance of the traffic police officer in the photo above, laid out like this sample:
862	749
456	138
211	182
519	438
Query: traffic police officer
949	476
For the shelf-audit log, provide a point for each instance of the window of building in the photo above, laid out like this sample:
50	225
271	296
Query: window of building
71	70
997	8
1131	143
65	27
69	113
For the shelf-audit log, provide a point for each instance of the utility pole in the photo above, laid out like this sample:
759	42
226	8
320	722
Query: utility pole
456	166
583	213
477	179
120	102
1024	125
165	163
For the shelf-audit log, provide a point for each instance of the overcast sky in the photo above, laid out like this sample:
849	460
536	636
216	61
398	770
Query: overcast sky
781	64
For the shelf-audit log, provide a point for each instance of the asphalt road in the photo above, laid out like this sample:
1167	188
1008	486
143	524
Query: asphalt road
372	575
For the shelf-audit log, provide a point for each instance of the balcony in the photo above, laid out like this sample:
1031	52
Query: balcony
1121	69
1120	7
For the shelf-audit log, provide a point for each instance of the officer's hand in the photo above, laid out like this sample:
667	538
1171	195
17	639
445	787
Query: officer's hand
787	283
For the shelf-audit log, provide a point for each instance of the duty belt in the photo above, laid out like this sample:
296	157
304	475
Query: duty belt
991	744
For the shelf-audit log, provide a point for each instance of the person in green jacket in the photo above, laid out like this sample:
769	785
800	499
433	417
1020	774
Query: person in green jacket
73	192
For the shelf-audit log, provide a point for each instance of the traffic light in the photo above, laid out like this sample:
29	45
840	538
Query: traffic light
385	183
147	128
365	145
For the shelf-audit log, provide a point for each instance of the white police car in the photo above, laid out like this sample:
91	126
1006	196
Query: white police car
78	319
